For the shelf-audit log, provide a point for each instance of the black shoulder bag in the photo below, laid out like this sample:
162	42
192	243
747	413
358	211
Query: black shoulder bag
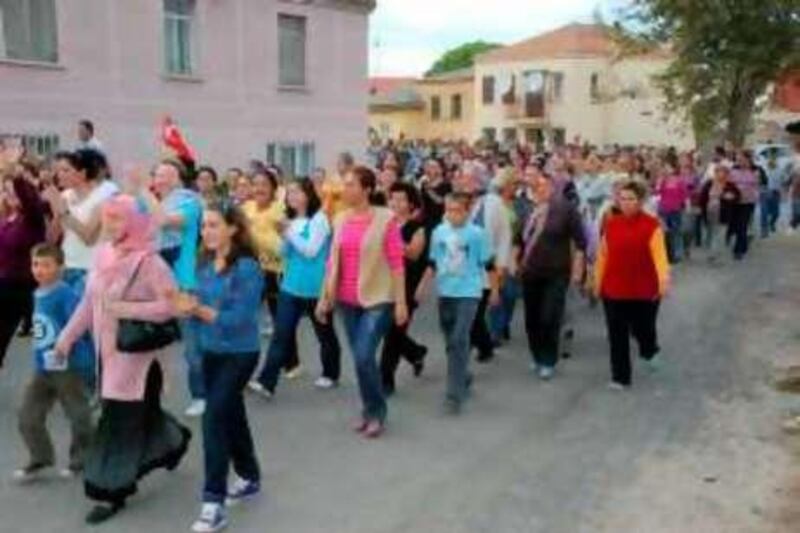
140	336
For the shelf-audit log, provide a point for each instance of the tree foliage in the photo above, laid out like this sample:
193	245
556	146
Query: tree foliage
460	57
727	53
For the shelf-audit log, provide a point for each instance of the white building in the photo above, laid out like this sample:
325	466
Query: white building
568	85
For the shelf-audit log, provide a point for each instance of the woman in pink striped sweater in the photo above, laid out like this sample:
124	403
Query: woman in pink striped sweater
366	279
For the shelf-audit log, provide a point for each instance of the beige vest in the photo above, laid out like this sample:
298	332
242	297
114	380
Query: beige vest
374	276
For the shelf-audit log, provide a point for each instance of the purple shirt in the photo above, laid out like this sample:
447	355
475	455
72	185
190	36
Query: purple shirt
747	182
21	233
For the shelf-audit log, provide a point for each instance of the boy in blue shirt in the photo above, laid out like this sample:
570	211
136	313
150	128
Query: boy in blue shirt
460	258
54	378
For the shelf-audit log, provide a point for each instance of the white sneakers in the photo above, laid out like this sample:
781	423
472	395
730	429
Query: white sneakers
294	373
212	518
260	389
196	409
324	383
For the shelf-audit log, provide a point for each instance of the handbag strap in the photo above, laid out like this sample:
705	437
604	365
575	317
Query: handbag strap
132	278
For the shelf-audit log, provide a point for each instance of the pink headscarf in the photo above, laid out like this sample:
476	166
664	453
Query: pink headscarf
138	235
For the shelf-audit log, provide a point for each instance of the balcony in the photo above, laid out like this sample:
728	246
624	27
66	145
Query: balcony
528	107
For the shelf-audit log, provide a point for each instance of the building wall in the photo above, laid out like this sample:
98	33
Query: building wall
111	70
392	123
601	121
447	127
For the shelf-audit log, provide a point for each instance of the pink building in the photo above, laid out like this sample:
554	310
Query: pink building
282	80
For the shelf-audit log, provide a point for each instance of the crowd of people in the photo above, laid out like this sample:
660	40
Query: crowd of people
118	269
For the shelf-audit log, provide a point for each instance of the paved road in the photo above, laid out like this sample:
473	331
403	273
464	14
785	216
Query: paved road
567	456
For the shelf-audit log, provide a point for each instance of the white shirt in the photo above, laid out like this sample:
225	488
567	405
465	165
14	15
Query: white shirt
78	254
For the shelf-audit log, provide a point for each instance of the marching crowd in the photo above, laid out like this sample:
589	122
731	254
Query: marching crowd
114	270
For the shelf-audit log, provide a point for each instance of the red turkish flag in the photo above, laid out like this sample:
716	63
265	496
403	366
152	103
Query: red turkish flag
173	139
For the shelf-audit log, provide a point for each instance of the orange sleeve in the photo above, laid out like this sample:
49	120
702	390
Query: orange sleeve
600	265
658	251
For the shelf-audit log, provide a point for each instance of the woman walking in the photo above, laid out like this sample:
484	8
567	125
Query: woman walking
366	278
719	200
226	312
305	251
134	435
266	213
22	226
405	203
632	275
745	176
77	210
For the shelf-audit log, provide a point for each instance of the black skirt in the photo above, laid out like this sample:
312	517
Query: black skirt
131	440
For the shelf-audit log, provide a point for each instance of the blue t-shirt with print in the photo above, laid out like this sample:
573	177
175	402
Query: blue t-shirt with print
53	306
187	204
460	255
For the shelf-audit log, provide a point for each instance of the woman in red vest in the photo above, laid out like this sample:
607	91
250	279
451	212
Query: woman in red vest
632	275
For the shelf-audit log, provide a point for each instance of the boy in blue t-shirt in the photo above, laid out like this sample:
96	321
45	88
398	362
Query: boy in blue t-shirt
54	378
460	258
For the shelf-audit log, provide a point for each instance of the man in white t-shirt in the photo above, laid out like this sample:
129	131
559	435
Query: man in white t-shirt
86	138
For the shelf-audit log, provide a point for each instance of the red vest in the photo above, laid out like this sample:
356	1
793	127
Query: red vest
630	273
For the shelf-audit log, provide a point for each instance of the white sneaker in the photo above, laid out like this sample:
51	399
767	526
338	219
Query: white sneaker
212	518
324	383
295	373
546	373
31	473
617	387
196	409
68	473
259	389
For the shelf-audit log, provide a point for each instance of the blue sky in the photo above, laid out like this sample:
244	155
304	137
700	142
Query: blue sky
407	36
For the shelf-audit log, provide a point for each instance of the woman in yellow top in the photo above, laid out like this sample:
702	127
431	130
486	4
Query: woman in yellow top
266	215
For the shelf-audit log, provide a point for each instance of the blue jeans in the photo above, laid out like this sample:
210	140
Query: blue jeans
770	211
365	328
673	226
500	317
795	220
226	433
289	312
455	317
194	359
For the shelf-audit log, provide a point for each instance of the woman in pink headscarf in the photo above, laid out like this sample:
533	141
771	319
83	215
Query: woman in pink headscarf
134	436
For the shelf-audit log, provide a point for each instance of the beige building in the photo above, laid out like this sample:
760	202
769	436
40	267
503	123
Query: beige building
570	85
431	108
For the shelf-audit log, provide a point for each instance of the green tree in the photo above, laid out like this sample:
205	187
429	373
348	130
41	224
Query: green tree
727	53
460	57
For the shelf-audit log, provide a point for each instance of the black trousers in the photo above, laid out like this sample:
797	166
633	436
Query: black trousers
544	300
479	335
399	345
15	298
272	288
626	318
742	215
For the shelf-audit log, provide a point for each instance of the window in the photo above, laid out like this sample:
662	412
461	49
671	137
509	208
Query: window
178	36
28	30
436	108
509	135
559	136
455	107
488	90
295	158
558	86
292	50
490	134
42	145
594	88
